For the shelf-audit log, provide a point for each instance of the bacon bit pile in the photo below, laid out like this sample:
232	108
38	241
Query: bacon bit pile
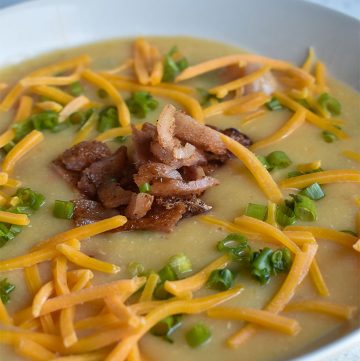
176	158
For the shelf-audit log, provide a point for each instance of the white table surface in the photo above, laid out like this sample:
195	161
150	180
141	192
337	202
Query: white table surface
351	8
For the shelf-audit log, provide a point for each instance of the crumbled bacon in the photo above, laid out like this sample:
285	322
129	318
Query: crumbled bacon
175	158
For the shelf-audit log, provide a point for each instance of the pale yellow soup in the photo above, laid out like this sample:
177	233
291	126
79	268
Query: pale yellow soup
340	266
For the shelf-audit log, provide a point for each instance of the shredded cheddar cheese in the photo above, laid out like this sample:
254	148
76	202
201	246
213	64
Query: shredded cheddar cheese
294	123
309	167
20	149
14	218
10	99
318	279
85	130
72	107
83	260
320	75
52	93
102	83
323	177
49	105
260	317
222	90
5	319
24	109
149	288
309	60
183	288
333	309
141	59
114	132
251	105
33	350
252	163
351	155
4	177
7	137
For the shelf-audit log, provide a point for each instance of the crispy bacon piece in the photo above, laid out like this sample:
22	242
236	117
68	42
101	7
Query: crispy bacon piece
158	219
81	155
139	205
87	211
193	204
202	136
113	195
192	173
178	188
102	171
141	140
150	171
69	176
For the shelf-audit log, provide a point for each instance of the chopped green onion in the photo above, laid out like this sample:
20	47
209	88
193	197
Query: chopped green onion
63	209
220	279
329	103
141	103
257	211
264	162
5	289
294	173
284	215
166	327
8	233
180	264
329	137
165	274
313	192
145	188
261	265
278	159
135	269
349	231
198	335
76	89
22	129
274	104
102	93
281	260
236	245
7	147
171	67
30	198
108	118
304	208
206	97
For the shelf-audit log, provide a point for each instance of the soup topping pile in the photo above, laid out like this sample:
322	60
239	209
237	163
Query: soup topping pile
148	178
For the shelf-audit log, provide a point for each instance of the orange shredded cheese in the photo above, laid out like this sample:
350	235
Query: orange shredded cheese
309	167
7	137
356	245
318	279
124	286
320	75
134	354
72	107
182	288
294	123
124	66
309	60
149	288
11	97
311	117
81	259
260	317
122	350
14	218
271	214
222	107
268	230
49	105
323	177
224	61
86	129
114	132
296	275
24	109
253	115
50	80
158	67
5	319
4	177
252	163
141	57
33	350
12	183
116	305
20	149
190	103
329	234
250	105
83	232
222	91
41	297
55	94
351	155
102	83
342	311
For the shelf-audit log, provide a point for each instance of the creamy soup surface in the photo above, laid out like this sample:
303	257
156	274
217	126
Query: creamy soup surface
340	266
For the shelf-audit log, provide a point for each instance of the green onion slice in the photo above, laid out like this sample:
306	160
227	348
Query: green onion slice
63	209
5	290
278	159
285	216
145	188
198	335
304	208
236	245
329	103
76	89
257	211
220	279
329	137
181	265
274	104
314	192
141	103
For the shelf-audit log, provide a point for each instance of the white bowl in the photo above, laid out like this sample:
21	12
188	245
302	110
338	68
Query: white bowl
277	28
